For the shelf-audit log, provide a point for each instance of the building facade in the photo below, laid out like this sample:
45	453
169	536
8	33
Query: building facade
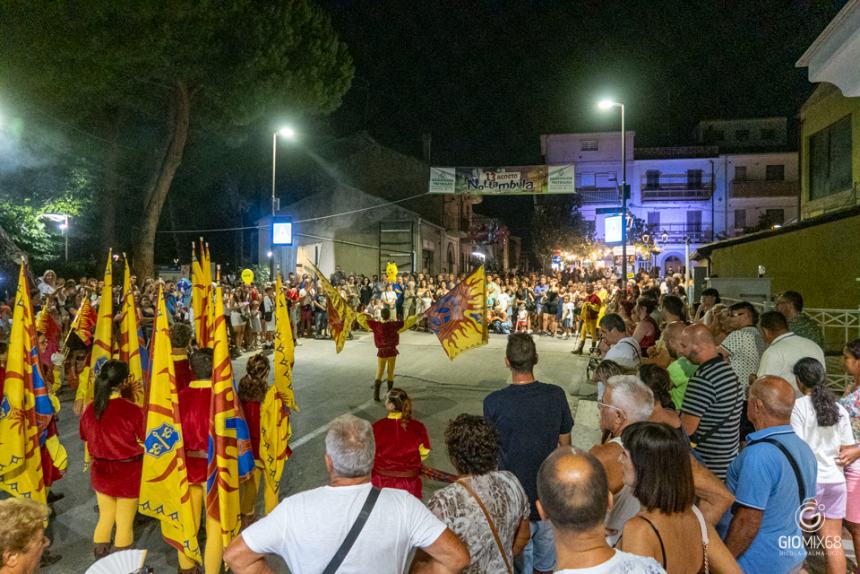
681	194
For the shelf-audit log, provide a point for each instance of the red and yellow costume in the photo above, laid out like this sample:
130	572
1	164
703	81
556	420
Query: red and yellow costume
591	307
114	443
181	370
399	452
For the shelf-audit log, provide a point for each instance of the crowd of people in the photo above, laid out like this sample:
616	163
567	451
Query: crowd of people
719	428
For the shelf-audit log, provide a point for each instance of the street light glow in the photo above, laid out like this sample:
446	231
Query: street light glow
606	104
287	132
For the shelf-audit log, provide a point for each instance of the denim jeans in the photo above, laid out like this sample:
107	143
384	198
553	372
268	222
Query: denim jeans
539	553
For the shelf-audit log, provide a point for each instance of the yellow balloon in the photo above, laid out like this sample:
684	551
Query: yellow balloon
391	271
247	276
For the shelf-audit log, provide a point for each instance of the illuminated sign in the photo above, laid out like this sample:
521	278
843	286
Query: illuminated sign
282	231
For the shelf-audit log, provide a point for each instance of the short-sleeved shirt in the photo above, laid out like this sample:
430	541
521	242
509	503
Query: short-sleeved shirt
620	563
825	442
626	353
713	395
761	478
529	419
508	505
744	347
806	327
306	530
782	354
680	370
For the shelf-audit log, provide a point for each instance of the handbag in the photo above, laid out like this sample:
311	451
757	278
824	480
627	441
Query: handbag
354	531
480	502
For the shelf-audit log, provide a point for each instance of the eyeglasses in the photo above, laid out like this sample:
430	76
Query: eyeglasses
602	405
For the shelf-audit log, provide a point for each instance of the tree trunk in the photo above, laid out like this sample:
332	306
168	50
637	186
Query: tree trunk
156	193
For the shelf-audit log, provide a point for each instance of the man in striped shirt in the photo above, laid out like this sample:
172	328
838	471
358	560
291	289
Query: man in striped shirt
712	405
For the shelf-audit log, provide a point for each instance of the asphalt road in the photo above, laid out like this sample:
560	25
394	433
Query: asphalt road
327	385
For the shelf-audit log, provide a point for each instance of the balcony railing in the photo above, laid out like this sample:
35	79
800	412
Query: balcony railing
678	232
753	189
684	186
599	194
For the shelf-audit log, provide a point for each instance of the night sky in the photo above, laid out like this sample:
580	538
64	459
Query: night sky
487	78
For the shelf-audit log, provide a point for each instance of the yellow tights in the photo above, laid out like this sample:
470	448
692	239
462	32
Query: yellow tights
119	512
385	362
250	489
214	552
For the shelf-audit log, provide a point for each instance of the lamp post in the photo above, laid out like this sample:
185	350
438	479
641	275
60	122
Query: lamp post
287	133
606	105
63	220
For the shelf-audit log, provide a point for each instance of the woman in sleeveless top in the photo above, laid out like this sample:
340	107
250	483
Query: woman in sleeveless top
669	528
647	332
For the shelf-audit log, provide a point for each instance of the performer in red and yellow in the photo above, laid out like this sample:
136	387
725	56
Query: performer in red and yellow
252	391
590	313
113	429
386	337
180	340
401	444
194	405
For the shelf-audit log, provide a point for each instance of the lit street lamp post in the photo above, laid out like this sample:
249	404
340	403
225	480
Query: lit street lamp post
606	105
287	133
63	220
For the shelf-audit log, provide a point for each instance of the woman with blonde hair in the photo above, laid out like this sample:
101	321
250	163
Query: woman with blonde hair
402	443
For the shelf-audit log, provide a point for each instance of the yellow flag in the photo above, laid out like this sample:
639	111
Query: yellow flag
199	289
164	481
340	314
20	456
132	349
231	459
103	339
459	318
280	401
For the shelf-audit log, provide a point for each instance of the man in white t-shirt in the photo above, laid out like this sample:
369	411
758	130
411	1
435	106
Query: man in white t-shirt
307	529
573	494
623	350
784	349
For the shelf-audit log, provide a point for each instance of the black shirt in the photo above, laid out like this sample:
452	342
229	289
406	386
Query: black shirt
529	419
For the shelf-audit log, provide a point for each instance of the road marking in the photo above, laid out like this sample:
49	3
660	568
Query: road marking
322	429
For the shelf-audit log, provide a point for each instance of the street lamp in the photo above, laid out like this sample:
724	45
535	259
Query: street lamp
63	220
607	104
288	133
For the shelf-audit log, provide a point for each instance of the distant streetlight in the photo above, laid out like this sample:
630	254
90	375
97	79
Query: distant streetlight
63	220
607	104
289	134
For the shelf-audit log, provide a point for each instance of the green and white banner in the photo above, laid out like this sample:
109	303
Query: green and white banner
520	180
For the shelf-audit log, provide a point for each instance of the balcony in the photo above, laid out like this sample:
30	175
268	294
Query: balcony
754	189
692	186
678	232
599	194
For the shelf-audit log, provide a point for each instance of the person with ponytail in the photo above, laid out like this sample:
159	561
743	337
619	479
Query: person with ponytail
402	443
825	426
113	430
848	456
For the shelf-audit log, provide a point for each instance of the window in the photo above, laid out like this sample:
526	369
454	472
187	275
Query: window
768	134
742	135
589	145
694	179
830	159
586	179
740	173
740	218
427	261
652	179
775	216
694	221
775	173
654	218
606	180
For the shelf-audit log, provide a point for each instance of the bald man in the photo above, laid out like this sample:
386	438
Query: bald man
680	369
763	531
711	411
574	497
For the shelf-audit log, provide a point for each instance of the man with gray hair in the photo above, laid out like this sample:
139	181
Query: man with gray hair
308	529
628	400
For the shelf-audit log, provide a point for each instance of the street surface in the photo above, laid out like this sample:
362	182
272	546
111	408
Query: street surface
326	386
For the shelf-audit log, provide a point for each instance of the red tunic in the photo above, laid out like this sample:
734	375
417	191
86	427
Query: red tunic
252	417
397	452
114	442
194	405
50	473
182	371
386	337
650	340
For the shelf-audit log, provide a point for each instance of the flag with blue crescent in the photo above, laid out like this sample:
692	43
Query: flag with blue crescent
459	318
102	349
231	458
22	426
132	348
164	488
280	401
340	314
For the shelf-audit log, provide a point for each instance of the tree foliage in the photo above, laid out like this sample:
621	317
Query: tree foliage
165	72
557	224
